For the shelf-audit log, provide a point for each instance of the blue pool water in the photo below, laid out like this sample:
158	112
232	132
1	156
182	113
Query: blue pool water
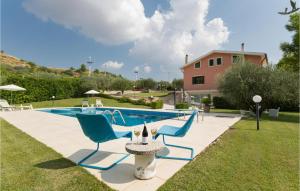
131	117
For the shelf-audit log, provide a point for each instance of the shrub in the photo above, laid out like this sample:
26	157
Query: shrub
125	100
206	100
222	103
157	104
182	105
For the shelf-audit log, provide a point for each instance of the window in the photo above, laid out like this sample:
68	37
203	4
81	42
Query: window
235	59
219	61
197	65
198	80
211	62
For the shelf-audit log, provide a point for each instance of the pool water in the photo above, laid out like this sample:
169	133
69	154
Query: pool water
131	117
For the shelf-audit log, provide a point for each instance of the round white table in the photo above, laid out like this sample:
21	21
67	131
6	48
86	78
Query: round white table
145	162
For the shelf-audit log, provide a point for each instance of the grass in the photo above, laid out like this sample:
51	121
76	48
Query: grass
75	102
27	164
145	95
246	159
230	111
242	159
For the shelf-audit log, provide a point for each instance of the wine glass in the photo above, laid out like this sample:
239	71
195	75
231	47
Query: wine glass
153	132
137	132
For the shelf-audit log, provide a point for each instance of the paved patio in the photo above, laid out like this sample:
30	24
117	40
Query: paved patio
64	135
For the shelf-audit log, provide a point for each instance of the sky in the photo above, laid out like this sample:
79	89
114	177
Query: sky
149	36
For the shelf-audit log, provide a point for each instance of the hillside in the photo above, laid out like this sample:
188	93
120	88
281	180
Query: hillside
12	60
13	65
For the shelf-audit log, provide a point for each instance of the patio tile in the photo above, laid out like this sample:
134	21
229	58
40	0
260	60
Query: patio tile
64	135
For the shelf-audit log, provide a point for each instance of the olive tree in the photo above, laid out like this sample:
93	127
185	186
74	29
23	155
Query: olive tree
121	84
242	81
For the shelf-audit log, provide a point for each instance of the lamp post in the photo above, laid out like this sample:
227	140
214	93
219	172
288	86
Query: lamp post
257	99
53	97
174	98
89	63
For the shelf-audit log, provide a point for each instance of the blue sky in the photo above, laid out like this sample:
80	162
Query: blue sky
62	34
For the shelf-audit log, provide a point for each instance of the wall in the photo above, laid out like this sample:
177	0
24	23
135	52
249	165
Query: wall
211	73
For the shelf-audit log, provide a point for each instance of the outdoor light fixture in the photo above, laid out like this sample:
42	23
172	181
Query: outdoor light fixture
53	97
257	99
174	98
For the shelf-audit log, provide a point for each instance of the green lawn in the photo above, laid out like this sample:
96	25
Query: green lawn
242	159
29	165
246	159
73	102
143	95
230	111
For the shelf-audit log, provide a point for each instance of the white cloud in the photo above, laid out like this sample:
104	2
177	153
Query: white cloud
147	69
162	39
136	69
106	21
182	30
112	64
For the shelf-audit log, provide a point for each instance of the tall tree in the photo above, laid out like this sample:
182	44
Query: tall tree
290	59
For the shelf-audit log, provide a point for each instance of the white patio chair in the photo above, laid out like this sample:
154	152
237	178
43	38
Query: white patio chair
5	106
274	112
26	107
85	103
99	103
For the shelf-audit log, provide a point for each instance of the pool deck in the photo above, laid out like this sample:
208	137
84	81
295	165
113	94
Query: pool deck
65	136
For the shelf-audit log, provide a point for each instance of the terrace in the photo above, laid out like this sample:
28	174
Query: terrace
64	135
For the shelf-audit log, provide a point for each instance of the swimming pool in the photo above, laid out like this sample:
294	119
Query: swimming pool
131	117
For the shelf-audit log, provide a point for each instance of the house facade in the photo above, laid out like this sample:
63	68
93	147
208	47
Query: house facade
201	75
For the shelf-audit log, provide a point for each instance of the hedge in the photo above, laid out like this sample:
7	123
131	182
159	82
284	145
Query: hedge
154	105
182	105
157	104
42	89
222	103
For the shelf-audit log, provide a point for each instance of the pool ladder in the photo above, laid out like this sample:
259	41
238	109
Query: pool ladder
113	113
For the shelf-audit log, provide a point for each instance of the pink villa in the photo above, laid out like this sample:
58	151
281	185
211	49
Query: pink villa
201	75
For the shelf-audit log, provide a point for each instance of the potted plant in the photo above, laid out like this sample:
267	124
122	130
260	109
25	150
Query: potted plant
206	101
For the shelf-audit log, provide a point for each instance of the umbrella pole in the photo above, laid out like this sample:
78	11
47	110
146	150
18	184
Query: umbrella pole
11	102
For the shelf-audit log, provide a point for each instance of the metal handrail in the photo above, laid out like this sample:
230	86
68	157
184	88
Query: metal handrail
112	115
118	111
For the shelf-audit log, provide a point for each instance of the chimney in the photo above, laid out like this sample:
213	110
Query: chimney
243	47
186	59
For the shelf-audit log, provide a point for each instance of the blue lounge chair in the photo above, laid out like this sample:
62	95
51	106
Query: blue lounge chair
173	131
99	130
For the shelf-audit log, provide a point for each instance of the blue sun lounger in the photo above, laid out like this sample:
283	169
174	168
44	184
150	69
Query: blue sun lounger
173	131
99	130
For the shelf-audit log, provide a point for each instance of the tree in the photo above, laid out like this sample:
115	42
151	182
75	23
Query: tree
276	87
146	84
177	83
164	85
96	71
121	84
87	84
290	59
82	68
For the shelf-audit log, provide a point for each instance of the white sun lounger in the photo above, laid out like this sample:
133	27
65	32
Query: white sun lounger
99	103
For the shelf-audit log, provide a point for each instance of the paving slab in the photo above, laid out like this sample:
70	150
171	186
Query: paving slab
64	135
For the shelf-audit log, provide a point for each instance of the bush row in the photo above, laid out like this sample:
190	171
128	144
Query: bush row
42	89
182	105
222	103
154	105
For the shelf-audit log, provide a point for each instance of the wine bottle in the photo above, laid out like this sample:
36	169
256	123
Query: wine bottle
144	135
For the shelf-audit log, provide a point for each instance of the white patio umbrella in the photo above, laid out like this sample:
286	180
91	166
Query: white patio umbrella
92	92
12	88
